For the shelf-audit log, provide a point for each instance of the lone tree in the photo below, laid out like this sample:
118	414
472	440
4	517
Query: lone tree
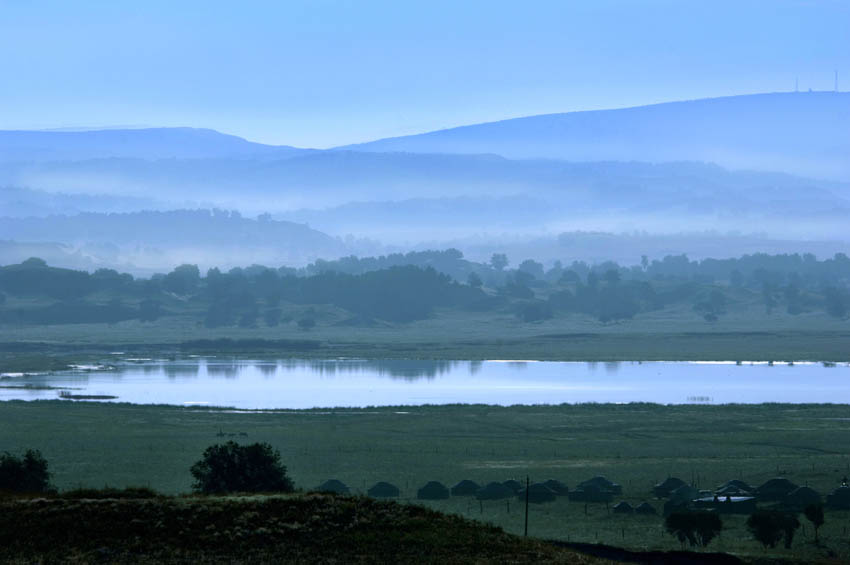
814	513
24	474
499	261
697	528
770	526
231	467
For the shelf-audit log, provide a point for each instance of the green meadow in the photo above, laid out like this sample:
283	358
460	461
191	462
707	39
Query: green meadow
636	445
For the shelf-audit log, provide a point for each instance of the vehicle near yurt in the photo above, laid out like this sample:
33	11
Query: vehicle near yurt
726	504
433	490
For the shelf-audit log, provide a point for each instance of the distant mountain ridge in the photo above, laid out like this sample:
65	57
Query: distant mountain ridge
799	133
143	143
151	239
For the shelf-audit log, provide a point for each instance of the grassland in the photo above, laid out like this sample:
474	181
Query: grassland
95	445
298	529
675	333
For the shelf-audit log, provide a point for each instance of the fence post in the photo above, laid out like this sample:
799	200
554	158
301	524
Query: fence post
526	505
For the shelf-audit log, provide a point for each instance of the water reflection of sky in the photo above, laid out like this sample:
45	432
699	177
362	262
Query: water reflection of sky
356	382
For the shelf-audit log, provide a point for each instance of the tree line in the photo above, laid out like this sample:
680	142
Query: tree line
384	288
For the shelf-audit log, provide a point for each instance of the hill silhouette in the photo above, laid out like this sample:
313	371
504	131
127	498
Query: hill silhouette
148	143
800	133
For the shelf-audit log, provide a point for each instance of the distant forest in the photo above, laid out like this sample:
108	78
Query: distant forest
408	287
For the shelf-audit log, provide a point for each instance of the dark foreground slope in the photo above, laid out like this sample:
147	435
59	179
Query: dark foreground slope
302	528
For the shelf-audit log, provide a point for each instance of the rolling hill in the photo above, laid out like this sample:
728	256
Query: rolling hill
150	143
800	133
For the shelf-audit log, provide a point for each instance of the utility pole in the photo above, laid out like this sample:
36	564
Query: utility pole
526	505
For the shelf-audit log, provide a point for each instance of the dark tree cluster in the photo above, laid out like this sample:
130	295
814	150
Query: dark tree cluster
25	474
696	528
384	288
768	527
397	294
231	467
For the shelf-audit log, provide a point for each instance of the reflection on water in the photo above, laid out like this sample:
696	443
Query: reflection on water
174	370
267	369
227	370
407	369
293	383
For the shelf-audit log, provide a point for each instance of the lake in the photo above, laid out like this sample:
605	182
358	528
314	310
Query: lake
272	384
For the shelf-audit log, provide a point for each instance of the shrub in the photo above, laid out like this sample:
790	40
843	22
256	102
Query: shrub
814	513
770	526
27	474
231	467
108	492
698	528
534	311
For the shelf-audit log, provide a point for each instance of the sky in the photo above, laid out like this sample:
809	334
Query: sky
321	73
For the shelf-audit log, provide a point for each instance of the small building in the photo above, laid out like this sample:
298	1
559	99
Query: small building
664	488
334	486
538	493
645	509
433	490
590	493
494	491
465	488
736	484
557	487
801	497
839	499
732	490
623	507
514	485
603	484
684	493
775	489
384	489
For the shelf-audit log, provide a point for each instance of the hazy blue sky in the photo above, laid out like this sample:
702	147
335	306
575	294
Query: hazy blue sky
322	73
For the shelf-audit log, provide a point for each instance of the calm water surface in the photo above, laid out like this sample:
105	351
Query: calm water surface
307	384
